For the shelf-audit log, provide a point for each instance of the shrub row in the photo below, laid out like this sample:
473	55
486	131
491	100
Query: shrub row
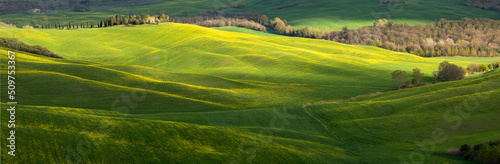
14	43
484	153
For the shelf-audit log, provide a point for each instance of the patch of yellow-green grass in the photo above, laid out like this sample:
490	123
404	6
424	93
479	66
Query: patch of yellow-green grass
273	60
440	116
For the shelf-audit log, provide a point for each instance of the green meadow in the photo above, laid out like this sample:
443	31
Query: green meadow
180	93
359	13
319	13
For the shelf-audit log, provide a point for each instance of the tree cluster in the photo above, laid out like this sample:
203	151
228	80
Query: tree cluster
133	20
14	43
212	21
484	4
399	78
478	37
282	27
483	153
477	68
108	22
221	22
466	37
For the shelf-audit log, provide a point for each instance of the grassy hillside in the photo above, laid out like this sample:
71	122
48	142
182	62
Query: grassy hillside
66	103
358	13
65	112
439	116
319	13
182	93
317	69
176	7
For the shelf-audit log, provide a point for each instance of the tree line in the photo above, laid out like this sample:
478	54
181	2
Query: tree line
478	37
484	153
478	68
484	4
205	21
14	43
220	22
108	22
446	72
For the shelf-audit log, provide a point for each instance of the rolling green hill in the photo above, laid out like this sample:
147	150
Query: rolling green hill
318	13
359	13
68	103
438	117
274	59
182	93
66	113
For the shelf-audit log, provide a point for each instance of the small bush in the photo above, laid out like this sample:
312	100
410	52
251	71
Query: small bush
473	68
449	72
27	27
483	67
495	65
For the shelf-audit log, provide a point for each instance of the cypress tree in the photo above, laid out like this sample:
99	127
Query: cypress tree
112	21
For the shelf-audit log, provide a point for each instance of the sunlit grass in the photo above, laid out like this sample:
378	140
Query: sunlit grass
216	96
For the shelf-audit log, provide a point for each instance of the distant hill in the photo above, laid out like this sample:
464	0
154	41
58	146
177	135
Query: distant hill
320	13
45	6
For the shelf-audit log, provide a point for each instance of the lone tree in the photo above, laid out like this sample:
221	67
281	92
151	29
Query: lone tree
399	78
449	72
417	76
263	19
